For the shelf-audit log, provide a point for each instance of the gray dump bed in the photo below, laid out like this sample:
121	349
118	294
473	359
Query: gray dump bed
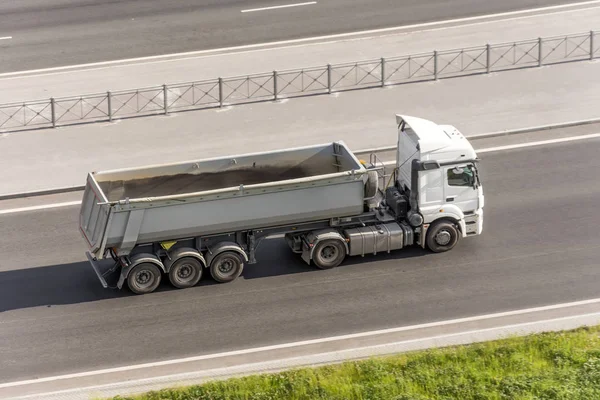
132	206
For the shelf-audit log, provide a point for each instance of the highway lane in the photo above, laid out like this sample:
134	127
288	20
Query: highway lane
49	33
157	71
536	250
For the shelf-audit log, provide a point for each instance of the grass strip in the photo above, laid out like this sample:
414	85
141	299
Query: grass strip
554	365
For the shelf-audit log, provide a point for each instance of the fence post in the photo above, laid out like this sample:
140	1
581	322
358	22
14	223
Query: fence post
53	111
382	72
540	52
435	65
488	64
220	92
275	85
591	45
165	100
329	78
109	105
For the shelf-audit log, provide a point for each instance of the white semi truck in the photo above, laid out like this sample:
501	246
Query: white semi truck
185	219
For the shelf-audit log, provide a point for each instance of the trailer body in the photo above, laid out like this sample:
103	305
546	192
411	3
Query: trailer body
125	208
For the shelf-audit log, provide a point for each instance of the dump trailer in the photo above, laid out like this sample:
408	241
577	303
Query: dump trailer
186	219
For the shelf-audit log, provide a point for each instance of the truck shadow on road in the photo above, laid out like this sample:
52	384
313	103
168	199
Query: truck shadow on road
77	283
275	258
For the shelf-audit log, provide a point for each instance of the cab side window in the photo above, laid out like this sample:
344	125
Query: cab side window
460	176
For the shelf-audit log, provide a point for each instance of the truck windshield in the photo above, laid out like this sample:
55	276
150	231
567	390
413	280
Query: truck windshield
461	176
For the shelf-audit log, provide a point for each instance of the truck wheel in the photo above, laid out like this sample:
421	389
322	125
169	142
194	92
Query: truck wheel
442	236
185	272
144	278
226	266
329	254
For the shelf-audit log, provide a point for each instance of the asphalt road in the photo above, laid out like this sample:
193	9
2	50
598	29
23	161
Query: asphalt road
536	250
49	33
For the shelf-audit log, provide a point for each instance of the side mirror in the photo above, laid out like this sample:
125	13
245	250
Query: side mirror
475	176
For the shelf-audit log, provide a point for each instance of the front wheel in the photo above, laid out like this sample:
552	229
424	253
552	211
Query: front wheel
442	236
144	278
329	254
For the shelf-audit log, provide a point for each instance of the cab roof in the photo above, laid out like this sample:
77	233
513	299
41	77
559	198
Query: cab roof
437	142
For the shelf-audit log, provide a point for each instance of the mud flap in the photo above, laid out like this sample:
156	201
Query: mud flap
103	275
306	253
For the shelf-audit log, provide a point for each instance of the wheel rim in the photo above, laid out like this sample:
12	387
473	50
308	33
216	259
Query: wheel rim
226	267
144	278
443	237
185	273
329	253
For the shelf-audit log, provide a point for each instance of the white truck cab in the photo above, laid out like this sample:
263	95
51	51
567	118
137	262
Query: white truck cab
437	165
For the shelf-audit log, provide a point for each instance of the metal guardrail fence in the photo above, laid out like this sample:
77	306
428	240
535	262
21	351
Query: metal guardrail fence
298	82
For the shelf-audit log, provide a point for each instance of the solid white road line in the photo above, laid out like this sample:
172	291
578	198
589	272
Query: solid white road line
40	207
301	343
308	3
490	149
6	38
524	145
539	143
151	59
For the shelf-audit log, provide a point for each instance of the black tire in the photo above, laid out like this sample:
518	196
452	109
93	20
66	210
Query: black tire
329	254
442	236
144	278
226	266
185	272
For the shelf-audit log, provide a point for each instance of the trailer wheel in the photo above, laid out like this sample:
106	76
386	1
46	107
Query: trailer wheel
185	272
226	266
144	278
329	254
442	236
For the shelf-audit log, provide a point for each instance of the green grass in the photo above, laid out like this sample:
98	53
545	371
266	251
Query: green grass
562	365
